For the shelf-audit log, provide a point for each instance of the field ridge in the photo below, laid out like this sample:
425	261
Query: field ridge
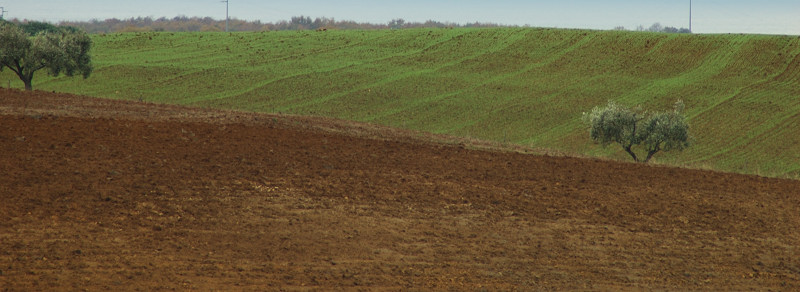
103	194
527	86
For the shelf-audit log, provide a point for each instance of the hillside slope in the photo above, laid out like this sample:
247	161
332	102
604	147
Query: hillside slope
104	195
525	86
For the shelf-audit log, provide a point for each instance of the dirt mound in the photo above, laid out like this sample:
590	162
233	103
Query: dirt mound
109	195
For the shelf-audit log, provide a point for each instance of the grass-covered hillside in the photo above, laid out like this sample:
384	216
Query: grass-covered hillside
524	86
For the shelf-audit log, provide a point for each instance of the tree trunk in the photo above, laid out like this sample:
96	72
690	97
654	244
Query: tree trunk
628	149
651	153
28	80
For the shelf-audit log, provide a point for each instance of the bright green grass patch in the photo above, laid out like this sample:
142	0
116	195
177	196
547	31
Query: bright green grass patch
525	86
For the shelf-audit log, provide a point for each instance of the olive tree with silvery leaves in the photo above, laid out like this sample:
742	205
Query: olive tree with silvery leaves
634	129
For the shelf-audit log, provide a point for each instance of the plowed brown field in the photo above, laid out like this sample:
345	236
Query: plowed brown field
109	195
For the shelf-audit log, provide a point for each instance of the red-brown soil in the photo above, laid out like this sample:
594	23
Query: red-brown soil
108	195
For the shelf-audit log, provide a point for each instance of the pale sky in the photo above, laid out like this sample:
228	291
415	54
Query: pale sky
709	16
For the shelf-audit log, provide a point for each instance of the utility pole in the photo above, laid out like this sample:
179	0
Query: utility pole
690	16
2	12
226	14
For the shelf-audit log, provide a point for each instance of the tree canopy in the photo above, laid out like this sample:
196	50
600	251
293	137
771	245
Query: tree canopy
655	132
31	47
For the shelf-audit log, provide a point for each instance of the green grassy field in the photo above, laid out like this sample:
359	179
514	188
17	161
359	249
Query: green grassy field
525	86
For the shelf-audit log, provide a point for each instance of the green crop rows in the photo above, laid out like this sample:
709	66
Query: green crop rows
526	86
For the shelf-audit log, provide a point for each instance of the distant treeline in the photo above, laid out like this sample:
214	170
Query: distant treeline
183	23
34	27
657	27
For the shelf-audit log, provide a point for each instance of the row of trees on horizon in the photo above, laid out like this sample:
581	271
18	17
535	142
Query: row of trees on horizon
187	24
192	24
657	27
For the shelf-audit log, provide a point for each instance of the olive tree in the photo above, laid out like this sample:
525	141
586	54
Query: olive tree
654	132
61	51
